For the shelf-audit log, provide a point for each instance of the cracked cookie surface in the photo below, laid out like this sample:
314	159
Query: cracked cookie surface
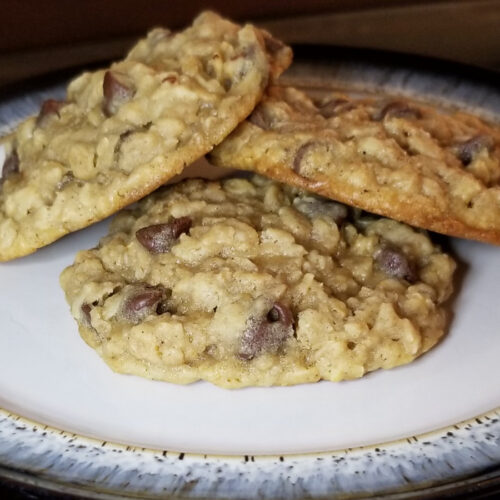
251	282
124	131
431	168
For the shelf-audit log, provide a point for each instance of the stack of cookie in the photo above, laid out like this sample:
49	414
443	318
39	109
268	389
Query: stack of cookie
289	277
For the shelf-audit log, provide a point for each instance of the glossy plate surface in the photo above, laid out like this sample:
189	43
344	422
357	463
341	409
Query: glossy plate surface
49	375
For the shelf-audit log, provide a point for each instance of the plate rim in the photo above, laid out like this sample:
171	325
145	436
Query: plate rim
492	415
464	481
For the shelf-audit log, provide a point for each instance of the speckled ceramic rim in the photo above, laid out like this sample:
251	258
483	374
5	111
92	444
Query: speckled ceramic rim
56	460
454	459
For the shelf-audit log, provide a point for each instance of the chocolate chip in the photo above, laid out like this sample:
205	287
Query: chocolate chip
86	319
49	108
299	156
468	151
397	109
335	106
117	89
159	238
394	262
260	118
267	334
315	207
141	302
10	166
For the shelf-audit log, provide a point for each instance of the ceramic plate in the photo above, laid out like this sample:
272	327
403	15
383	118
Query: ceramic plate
70	424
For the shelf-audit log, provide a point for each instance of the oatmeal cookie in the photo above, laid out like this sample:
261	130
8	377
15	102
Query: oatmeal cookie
251	282
431	168
124	131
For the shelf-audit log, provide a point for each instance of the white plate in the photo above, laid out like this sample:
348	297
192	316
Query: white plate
49	375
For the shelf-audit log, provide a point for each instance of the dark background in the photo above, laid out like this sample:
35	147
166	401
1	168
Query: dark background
39	36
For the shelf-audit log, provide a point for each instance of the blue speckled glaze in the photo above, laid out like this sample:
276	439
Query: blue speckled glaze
55	457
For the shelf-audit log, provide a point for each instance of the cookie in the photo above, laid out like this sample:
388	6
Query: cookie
431	168
124	131
254	283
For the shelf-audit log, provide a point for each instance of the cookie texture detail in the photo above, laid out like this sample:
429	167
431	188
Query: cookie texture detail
432	168
123	131
254	283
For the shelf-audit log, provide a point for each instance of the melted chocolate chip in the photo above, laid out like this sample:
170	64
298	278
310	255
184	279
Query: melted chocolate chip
267	334
334	106
299	155
86	319
159	238
49	108
142	302
10	166
117	90
394	263
468	151
261	118
314	207
397	109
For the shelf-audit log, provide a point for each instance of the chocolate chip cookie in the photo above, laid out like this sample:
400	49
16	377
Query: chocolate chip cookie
254	283
122	132
432	168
